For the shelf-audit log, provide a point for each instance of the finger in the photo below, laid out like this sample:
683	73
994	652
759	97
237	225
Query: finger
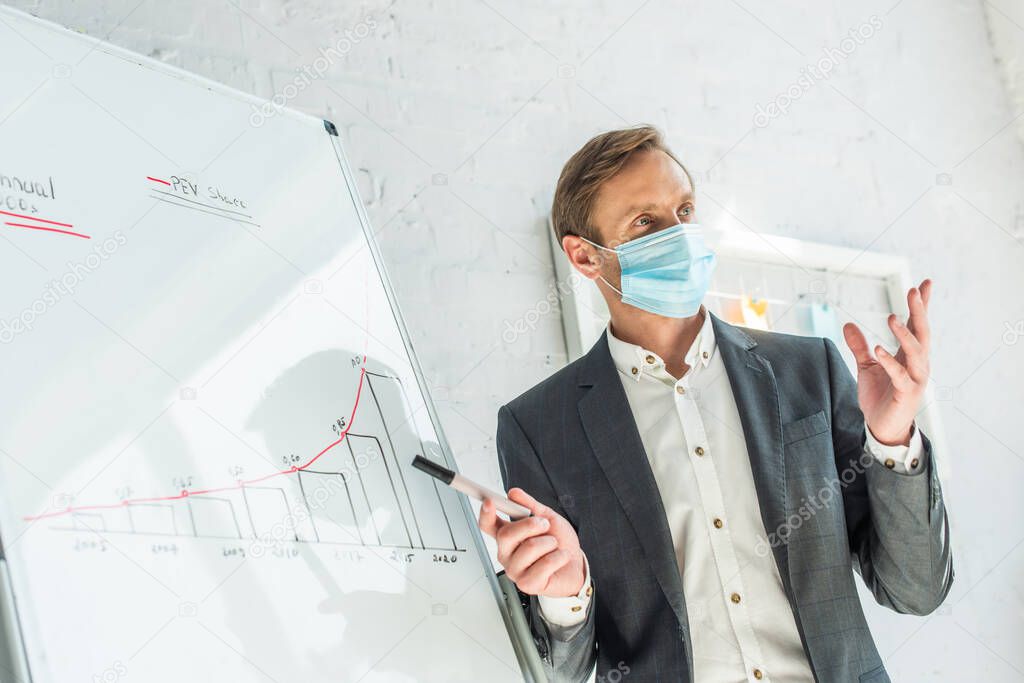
926	291
858	345
560	528
908	342
513	533
536	578
489	521
528	552
914	355
898	375
520	496
918	321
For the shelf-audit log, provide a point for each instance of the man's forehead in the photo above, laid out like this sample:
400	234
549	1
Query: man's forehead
647	181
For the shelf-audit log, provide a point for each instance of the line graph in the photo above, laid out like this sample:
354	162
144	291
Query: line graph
363	472
240	484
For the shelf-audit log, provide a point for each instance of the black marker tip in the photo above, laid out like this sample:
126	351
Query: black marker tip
433	469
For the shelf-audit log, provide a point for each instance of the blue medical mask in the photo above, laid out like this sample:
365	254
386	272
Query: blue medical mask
667	272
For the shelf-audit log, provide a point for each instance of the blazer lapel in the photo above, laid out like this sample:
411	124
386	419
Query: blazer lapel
613	436
757	401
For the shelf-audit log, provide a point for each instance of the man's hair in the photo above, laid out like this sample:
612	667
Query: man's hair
586	170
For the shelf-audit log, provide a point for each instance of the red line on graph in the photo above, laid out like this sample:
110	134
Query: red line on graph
238	485
38	220
157	180
39	227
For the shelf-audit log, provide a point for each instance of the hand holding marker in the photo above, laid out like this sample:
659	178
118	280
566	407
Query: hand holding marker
470	488
538	548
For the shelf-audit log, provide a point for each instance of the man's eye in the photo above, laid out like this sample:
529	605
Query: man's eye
640	221
687	210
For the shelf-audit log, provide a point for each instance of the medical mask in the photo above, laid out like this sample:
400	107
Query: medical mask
667	272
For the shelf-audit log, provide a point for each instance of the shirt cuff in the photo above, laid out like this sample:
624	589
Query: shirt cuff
903	459
570	610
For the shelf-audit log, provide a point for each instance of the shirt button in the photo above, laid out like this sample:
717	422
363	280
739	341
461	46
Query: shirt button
577	608
758	674
735	597
718	523
913	463
590	590
698	450
680	390
634	370
704	355
649	359
890	463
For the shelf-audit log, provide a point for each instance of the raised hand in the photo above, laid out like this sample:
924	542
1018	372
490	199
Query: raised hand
890	387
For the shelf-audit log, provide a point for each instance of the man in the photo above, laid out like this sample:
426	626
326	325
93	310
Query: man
701	493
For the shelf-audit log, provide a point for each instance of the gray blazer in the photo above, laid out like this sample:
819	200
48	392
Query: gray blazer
572	443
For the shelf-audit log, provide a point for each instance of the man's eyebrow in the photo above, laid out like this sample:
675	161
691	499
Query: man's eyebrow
647	207
633	209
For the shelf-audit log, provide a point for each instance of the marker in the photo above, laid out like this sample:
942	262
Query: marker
469	487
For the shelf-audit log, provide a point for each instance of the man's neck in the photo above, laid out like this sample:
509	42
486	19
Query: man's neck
670	338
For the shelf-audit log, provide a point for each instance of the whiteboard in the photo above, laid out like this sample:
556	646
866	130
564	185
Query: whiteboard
210	402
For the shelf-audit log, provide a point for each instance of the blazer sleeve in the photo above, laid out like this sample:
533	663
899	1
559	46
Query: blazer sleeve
568	653
896	522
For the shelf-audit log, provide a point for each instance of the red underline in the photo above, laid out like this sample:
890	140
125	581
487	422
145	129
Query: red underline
157	180
38	220
238	485
39	227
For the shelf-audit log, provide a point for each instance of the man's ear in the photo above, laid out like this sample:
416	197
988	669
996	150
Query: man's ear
584	257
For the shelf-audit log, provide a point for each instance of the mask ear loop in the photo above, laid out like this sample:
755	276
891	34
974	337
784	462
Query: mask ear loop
594	243
613	287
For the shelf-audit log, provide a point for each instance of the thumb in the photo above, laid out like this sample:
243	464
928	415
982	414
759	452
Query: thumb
858	345
518	495
559	527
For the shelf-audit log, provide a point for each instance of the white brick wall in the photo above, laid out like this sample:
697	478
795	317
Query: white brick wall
496	95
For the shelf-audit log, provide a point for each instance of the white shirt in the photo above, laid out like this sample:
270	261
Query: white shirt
741	624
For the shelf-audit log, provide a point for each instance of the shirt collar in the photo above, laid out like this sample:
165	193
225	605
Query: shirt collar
634	361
